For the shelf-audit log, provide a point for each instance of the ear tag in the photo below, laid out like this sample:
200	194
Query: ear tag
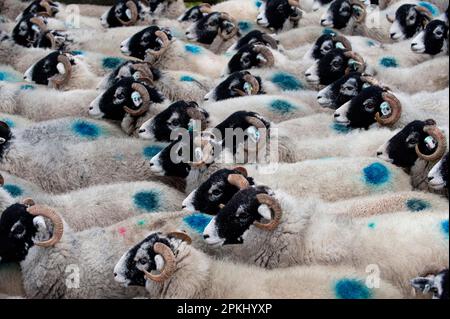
339	45
192	126
366	85
254	134
136	97
385	109
248	88
35	28
136	75
128	13
352	63
430	142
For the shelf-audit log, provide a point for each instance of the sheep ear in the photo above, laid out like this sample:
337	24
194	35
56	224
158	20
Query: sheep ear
61	68
136	98
390	17
422	284
128	13
42	231
159	261
265	211
261	58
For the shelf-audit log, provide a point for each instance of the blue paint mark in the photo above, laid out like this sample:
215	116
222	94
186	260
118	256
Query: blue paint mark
77	52
340	128
417	205
245	26
282	106
370	43
111	62
258	4
351	289
430	7
187	78
376	174
444	227
26	87
372	225
152	150
327	31
9	122
193	49
147	200
13	190
86	129
388	62
9	77
197	222
287	82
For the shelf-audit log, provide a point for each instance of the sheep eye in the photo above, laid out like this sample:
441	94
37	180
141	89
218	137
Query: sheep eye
216	192
143	261
413	141
18	230
438	33
121	96
335	64
369	106
176	123
244	215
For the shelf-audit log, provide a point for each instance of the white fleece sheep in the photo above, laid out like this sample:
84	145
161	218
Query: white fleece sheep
198	276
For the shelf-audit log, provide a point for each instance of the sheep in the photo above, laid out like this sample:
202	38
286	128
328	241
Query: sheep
416	148
223	184
433	40
434	73
438	176
125	13
41	104
176	260
441	4
436	284
157	47
378	105
175	85
300	231
170	9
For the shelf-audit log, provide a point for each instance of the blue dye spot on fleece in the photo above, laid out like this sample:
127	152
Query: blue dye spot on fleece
370	43
287	82
372	225
9	122
388	62
245	26
187	78
376	174
197	222
282	106
193	49
430	7
351	289
77	52
152	150
111	62
13	190
9	77
417	205
340	128
147	200
327	31
86	129
258	3
444	227
25	87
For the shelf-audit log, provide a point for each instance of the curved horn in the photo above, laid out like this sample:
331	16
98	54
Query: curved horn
223	34
294	3
134	14
265	51
60	80
358	59
165	45
195	114
241	170
138	87
48	9
438	135
340	38
255	87
238	180
41	24
358	3
44	211
206	152
369	79
428	15
262	129
180	235
205	8
28	202
275	207
271	41
143	73
170	263
396	108
53	45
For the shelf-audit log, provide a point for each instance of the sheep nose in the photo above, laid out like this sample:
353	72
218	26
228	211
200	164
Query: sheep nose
142	131
183	207
393	35
152	164
336	115
115	274
307	74
430	178
379	153
322	21
205	236
413	45
319	97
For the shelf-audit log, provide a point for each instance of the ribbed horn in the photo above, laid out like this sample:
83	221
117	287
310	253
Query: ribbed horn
165	45
268	55
439	137
28	202
294	3
396	108
143	73
223	33
180	235
271	41
145	96
241	170
134	14
275	208
340	38
358	59
362	16
41	24
60	80
238	180
205	8
254	84
48	9
170	263
58	226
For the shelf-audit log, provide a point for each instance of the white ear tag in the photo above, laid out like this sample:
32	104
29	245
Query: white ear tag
385	109
61	68
254	134
430	142
2	140
128	13
265	212
366	85
159	262
353	63
35	28
261	58
136	97
248	88
339	45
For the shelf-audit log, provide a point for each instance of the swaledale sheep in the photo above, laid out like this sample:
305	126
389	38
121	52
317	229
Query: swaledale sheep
288	231
223	184
438	176
186	272
125	13
171	9
437	285
40	104
160	49
433	40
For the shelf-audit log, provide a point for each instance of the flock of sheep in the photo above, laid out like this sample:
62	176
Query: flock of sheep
99	201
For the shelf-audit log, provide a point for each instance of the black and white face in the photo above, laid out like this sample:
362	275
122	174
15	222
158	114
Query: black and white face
438	176
341	91
138	44
318	4
433	40
330	68
231	86
45	69
36	7
229	226
408	22
245	59
209	27
158	7
26	33
120	10
5	137
255	37
437	285
129	269
324	45
400	150
110	104
18	231
339	14
213	193
276	14
192	14
175	117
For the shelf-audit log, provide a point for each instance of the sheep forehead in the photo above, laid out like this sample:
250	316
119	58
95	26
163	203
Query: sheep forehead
216	186
175	116
344	5
142	252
